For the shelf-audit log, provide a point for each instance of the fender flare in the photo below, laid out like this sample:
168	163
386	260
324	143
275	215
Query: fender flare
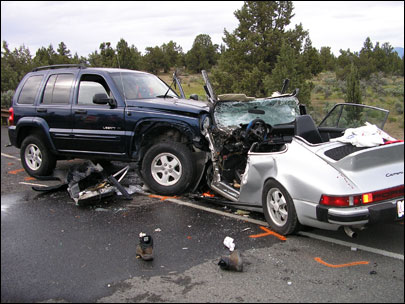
144	127
35	123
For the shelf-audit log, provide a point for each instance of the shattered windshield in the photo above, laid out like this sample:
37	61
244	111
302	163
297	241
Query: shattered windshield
273	111
141	86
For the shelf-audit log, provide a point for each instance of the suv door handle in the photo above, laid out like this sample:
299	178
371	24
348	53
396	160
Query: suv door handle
42	110
80	112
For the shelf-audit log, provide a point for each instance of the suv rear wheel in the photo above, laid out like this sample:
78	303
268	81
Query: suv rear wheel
36	158
168	168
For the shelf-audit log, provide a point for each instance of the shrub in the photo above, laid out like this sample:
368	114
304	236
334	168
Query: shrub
399	107
6	99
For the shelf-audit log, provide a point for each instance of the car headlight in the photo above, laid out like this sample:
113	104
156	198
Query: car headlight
205	125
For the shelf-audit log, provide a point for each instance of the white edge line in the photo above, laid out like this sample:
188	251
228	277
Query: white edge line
303	233
9	156
348	244
30	184
242	218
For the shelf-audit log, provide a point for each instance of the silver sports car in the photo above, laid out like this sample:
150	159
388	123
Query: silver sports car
268	155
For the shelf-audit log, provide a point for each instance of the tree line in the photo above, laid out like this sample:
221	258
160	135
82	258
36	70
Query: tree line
254	59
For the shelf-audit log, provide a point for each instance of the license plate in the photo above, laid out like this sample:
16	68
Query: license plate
400	208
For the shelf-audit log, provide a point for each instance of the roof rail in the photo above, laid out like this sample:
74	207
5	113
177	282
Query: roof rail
59	66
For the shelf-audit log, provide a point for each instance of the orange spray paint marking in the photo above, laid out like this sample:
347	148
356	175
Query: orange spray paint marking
15	171
162	198
319	260
268	232
29	178
207	194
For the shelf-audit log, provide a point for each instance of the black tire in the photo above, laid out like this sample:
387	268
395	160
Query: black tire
36	158
278	208
168	168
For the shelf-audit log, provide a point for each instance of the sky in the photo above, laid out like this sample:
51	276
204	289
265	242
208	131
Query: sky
84	25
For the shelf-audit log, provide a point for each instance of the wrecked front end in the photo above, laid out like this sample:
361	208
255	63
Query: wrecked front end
263	125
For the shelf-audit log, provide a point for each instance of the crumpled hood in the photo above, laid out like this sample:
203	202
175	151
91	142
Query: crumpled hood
172	104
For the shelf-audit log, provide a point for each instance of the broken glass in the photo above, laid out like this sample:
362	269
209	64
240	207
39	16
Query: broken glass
271	110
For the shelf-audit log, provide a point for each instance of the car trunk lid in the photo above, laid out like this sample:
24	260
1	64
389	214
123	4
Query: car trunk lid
371	168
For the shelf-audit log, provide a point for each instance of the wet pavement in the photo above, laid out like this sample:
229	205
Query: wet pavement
55	251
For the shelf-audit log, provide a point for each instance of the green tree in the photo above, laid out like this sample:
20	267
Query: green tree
252	48
106	57
288	66
203	54
63	55
46	56
327	59
14	65
353	95
173	54
155	60
353	91
366	63
128	57
311	60
343	63
79	60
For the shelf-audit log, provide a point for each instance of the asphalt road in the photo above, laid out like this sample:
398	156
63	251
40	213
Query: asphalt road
55	251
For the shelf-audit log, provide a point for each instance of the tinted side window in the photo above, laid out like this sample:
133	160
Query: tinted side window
30	90
87	90
89	86
57	90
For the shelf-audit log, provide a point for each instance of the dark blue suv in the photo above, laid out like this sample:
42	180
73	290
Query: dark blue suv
72	111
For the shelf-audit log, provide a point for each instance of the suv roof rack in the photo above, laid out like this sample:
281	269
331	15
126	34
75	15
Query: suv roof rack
59	66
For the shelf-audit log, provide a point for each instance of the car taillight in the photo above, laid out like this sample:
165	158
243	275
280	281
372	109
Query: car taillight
11	117
383	195
365	198
340	201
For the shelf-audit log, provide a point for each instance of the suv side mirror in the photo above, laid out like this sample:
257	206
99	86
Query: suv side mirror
103	99
303	109
194	96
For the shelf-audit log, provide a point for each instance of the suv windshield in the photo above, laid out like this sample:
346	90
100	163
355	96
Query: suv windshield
140	86
273	111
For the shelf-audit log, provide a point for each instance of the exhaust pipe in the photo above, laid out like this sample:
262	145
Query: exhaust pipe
350	232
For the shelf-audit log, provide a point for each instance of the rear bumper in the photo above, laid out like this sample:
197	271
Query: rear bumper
380	212
12	135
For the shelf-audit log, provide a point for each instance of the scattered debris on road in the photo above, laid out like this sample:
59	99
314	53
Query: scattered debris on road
232	262
88	182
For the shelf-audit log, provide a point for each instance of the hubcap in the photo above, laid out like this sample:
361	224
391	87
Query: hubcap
166	169
277	207
33	157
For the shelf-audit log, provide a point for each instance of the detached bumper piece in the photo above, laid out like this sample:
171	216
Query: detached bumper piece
88	183
93	184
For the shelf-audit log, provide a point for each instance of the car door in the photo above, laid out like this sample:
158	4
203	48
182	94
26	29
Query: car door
97	128
350	115
55	107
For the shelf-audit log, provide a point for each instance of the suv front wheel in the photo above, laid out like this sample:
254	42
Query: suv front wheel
168	168
36	158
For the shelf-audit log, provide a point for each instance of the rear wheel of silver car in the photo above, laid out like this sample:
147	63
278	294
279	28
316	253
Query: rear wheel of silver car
36	158
168	168
278	208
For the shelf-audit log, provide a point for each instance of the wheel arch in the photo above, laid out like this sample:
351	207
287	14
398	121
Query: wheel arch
147	133
31	126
